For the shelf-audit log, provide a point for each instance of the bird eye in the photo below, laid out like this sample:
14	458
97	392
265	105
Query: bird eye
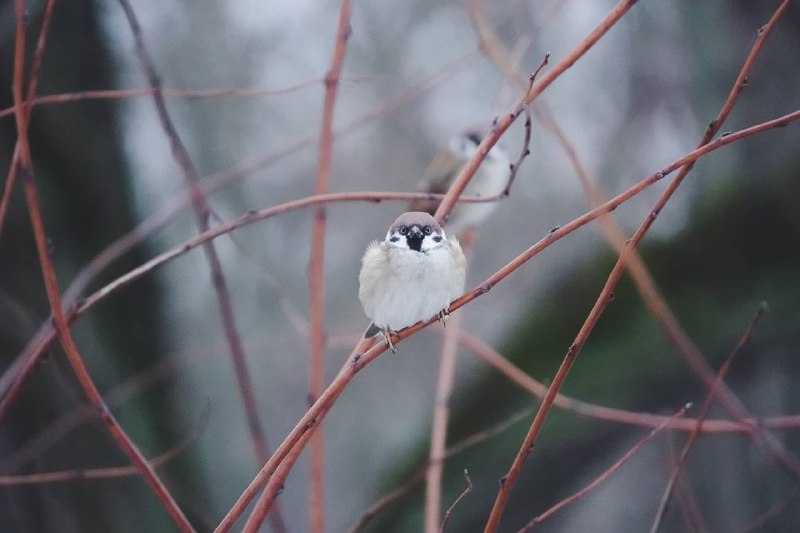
426	230
403	230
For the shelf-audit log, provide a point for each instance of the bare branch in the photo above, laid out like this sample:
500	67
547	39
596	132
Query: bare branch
202	214
316	278
450	509
605	475
690	440
110	472
53	294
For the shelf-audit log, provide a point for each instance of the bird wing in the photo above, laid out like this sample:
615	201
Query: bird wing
373	264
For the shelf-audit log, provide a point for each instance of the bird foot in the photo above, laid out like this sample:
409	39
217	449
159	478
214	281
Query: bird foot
387	336
443	315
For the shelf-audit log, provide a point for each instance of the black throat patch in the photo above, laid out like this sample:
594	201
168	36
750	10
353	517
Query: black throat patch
415	243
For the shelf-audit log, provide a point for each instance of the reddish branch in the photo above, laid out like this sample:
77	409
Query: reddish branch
473	440
53	295
108	472
605	475
316	281
461	496
696	361
202	214
701	416
609	414
441	410
33	80
186	94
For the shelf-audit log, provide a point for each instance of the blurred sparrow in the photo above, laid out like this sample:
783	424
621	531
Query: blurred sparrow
411	276
490	179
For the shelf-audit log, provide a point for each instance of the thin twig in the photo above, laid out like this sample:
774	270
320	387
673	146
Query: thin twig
712	392
185	94
53	294
469	442
609	414
605	475
526	150
202	214
33	81
111	472
508	481
758	523
441	409
450	509
316	274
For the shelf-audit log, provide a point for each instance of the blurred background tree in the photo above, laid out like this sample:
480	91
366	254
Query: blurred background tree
729	240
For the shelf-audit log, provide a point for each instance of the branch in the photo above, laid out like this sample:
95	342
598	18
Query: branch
712	392
316	277
450	509
605	475
36	69
109	472
53	295
465	444
609	414
202	213
441	409
185	94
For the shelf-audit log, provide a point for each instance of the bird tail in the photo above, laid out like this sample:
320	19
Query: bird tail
371	331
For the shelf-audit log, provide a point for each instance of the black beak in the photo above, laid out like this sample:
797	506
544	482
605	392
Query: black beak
414	238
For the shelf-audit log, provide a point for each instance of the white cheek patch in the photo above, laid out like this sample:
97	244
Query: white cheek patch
432	241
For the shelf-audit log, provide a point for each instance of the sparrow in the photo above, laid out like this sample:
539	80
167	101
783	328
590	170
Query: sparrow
412	275
490	179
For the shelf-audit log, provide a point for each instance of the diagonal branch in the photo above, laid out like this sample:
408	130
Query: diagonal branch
441	408
202	214
110	472
53	295
701	417
460	497
606	474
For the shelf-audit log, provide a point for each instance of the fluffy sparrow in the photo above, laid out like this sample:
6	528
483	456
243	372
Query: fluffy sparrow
412	275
